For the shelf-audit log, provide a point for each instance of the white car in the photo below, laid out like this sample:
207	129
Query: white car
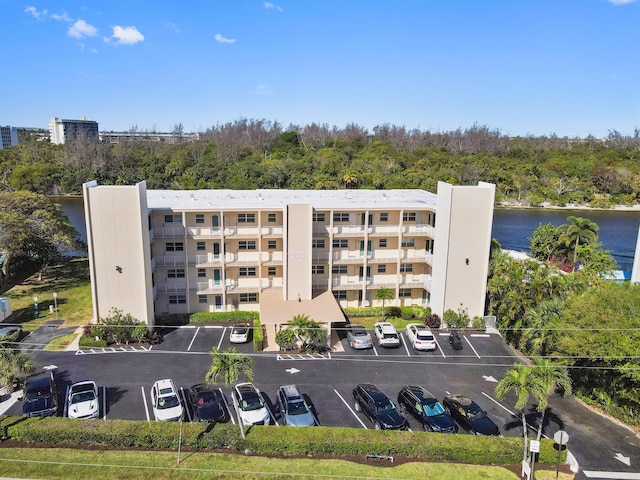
420	337
165	401
82	400
239	333
250	405
386	334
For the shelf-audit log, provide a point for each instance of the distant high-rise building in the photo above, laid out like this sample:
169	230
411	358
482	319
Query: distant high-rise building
8	136
62	130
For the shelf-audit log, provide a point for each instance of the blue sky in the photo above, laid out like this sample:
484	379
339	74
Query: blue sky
537	67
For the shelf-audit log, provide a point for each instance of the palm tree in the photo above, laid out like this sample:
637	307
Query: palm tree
350	178
384	294
308	331
540	334
228	366
14	366
552	376
522	381
579	231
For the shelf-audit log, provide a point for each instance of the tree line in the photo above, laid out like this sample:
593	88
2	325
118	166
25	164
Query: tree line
250	154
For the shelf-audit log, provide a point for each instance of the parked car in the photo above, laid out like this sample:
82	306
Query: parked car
359	338
375	404
426	409
10	334
239	333
39	397
165	401
469	415
82	400
386	334
294	410
420	337
251	406
208	404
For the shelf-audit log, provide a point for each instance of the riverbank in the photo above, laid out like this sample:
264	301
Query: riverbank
569	206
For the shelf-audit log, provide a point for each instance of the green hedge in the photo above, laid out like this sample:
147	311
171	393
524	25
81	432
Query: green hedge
87	341
271	440
218	317
258	336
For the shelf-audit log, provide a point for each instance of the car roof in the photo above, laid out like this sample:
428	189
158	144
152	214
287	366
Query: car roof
372	390
462	400
419	392
38	381
165	383
290	391
83	386
246	388
386	326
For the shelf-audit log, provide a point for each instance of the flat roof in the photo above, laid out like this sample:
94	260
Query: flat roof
203	200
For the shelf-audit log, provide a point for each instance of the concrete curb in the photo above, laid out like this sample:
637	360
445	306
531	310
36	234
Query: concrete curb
75	345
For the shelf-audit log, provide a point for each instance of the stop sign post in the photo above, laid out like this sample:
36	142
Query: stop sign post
561	438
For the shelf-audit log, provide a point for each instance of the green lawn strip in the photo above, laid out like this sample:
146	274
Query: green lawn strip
398	322
163	465
60	343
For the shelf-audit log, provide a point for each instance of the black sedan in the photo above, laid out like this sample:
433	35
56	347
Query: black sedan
208	404
426	409
469	415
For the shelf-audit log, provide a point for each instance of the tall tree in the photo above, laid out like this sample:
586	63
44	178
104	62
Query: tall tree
308	331
228	365
384	294
581	231
552	377
14	366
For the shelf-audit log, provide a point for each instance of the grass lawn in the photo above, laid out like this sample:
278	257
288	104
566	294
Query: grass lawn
60	343
89	464
69	280
398	322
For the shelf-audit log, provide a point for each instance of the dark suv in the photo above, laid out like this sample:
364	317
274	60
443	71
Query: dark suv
375	404
39	395
426	409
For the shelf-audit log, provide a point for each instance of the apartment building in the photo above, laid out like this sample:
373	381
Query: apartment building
161	251
8	136
63	130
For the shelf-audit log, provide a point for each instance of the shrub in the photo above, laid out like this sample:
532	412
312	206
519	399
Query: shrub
363	312
87	341
258	335
224	317
406	313
478	323
140	332
171	320
286	339
433	320
451	319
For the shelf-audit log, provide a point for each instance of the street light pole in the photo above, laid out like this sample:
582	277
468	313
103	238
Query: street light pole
36	314
55	303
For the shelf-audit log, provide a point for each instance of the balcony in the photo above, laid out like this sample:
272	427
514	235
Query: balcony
151	235
416	281
350	282
242	258
271	283
320	257
153	263
275	231
204	232
417	256
350	230
168	232
206	260
243	285
205	288
419	230
320	230
349	256
241	231
271	258
384	230
170	261
171	288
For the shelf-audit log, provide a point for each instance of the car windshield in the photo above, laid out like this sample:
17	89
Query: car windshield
38	390
474	411
433	410
82	397
384	405
390	336
206	398
297	408
167	402
239	331
425	337
359	333
251	401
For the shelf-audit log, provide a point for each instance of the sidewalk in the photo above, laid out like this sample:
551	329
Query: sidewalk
75	345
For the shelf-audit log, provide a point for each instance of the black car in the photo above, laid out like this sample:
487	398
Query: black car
208	404
469	415
39	395
426	409
373	402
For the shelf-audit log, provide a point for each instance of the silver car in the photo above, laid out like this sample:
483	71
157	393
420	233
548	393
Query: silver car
294	411
359	338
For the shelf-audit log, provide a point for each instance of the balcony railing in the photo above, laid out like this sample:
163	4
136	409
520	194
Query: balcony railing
273	258
274	231
168	232
170	261
419	229
205	260
204	232
416	281
170	288
242	231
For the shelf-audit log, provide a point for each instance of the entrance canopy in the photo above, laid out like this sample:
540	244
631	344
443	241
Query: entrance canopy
274	310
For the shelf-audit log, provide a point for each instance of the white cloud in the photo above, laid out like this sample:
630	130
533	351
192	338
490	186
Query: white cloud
221	39
272	6
263	89
82	29
35	13
127	35
61	17
173	27
621	2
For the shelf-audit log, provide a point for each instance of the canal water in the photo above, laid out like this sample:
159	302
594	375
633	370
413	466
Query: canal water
512	227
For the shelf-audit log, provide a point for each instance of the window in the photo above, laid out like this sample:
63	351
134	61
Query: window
340	217
339	269
247	245
175	299
199	217
173	218
382	242
406	267
246	218
404	292
409	217
271	217
248	297
247	271
272	244
317	243
317	269
175	273
382	268
318	217
271	271
384	217
200	246
202	272
341	243
408	242
340	294
174	247
202	299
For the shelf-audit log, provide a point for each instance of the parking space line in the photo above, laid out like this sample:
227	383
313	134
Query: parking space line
481	335
439	347
186	405
512	413
104	403
405	345
193	339
146	407
222	337
213	326
374	350
187	326
352	412
65	410
224	399
474	350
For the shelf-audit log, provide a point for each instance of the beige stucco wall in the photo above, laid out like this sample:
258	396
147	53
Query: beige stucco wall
118	244
297	263
461	249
